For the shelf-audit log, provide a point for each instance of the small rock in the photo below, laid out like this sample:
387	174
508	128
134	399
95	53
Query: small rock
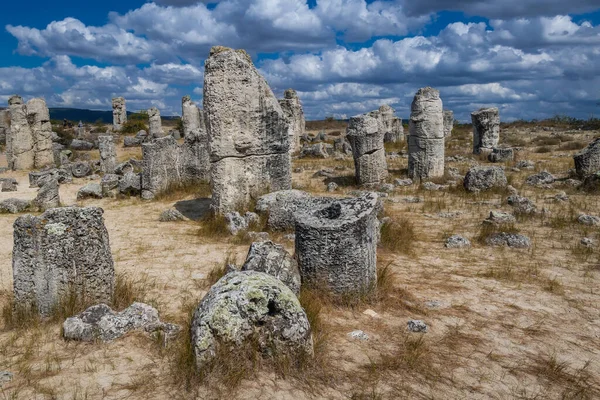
432	186
251	218
542	178
561	196
8	184
433	304
274	260
358	335
512	190
522	205
403	182
499	218
258	236
91	190
457	242
171	215
417	326
332	187
588	242
5	377
412	199
513	240
371	313
525	164
130	184
386	188
235	222
14	206
81	145
588	220
81	169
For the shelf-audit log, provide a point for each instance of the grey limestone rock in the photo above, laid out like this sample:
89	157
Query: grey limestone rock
81	145
587	161
47	196
341	145
486	129
426	139
130	184
274	260
484	178
403	182
540	179
123	168
64	250
110	185
4	125
190	116
591	184
457	242
513	240
525	164
5	377
129	141
235	222
161	159
336	243
100	322
499	218
332	187
247	131
448	123
590	220
108	154
8	184
316	150
280	207
119	113
81	169
389	125
501	155
155	123
292	108
171	215
522	205
416	326
90	191
366	139
13	206
250	305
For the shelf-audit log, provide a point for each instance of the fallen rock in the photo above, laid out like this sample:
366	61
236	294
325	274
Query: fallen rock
280	207
274	260
5	377
47	196
81	145
358	335
403	182
588	220
171	215
417	326
332	187
235	222
501	155
13	206
130	184
457	242
81	169
513	240
8	184
499	218
542	178
587	161
110	185
91	190
522	205
484	178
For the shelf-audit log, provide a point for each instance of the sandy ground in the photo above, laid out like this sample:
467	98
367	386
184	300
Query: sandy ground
508	324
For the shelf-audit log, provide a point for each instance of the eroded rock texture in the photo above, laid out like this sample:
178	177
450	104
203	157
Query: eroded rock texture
274	260
191	116
587	161
4	125
486	130
63	251
108	154
292	108
448	123
426	139
484	178
250	305
366	139
389	124
29	139
336	244
119	113
155	123
247	131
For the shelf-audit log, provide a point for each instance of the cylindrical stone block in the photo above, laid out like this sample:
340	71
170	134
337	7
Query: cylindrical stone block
486	130
366	140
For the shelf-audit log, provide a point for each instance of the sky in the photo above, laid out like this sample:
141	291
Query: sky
532	59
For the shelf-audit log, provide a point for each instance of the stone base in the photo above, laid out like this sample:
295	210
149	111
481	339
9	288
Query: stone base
425	158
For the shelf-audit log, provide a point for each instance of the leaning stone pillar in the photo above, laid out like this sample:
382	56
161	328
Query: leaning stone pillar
366	139
426	140
190	115
486	130
119	113
108	154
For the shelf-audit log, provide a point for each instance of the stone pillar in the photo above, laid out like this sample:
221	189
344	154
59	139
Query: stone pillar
48	195
119	113
336	244
366	138
38	116
390	124
426	140
108	154
195	158
155	123
448	123
64	249
160	166
4	125
587	161
19	145
486	130
290	104
247	132
190	115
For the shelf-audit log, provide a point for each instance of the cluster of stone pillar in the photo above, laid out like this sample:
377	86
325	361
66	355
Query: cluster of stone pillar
366	139
486	130
290	104
426	140
119	113
247	131
29	139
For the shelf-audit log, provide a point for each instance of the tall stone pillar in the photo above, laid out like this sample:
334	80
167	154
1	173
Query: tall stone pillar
366	138
290	104
119	113
486	130
155	123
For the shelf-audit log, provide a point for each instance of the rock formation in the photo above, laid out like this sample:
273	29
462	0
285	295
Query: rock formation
108	154
290	104
448	123
274	260
389	125
4	125
336	244
48	196
486	130
155	130
587	161
366	139
249	306
29	139
426	140
247	131
119	113
484	178
191	116
64	252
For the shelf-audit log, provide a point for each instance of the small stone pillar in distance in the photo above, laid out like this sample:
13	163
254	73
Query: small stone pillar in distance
108	154
426	140
155	123
336	244
448	123
366	139
290	104
119	113
190	116
486	130
65	251
391	125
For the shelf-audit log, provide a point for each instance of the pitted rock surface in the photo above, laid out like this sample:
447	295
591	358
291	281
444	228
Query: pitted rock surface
273	259
365	134
484	178
486	129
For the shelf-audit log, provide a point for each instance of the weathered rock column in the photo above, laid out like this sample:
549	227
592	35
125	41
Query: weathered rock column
426	140
190	116
587	161
290	104
160	166
366	139
108	154
247	131
19	144
155	123
4	125
64	249
38	116
486	130
195	157
336	244
448	123
119	113
390	124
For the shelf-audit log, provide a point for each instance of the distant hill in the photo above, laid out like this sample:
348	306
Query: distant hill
88	116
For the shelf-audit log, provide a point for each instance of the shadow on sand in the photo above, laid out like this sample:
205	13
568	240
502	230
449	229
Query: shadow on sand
194	209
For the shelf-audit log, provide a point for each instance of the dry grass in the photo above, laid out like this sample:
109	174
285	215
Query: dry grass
398	236
180	191
213	226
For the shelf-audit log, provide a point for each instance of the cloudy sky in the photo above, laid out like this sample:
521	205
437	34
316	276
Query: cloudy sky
531	58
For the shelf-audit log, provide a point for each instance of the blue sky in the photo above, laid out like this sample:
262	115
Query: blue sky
532	59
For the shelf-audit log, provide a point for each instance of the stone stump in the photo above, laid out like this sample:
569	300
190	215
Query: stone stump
48	195
486	130
155	123
190	116
290	104
160	161
63	252
119	113
336	244
448	123
426	139
366	139
587	161
247	132
108	154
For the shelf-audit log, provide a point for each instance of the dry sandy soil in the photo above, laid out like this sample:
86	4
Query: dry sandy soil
509	324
